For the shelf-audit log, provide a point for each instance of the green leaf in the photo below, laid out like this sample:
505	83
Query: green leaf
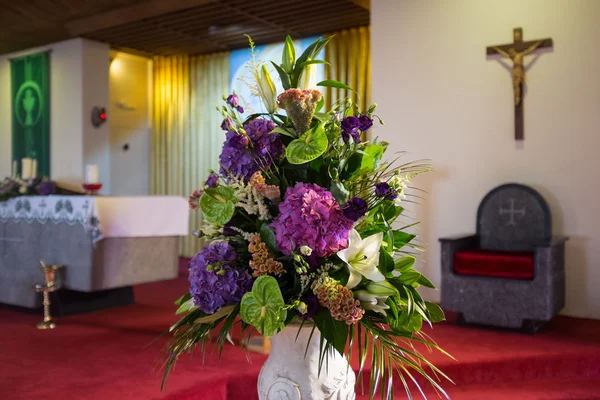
285	79
404	264
372	154
307	147
401	239
434	312
391	211
320	105
268	237
425	282
263	306
309	62
217	204
335	332
386	262
339	192
223	312
408	277
334	84
283	131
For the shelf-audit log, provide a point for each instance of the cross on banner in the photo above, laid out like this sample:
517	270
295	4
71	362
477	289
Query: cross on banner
516	51
512	211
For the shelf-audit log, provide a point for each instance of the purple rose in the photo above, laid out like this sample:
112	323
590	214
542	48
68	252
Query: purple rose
233	100
312	306
212	181
366	122
355	208
47	188
383	189
350	127
227	124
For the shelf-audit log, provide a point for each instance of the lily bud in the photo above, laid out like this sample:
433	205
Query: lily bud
365	297
380	307
308	79
383	288
288	56
302	307
267	90
369	301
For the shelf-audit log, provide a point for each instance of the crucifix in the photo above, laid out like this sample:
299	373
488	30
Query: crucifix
516	51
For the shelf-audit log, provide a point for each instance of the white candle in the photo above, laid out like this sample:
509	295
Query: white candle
34	168
91	173
26	167
14	169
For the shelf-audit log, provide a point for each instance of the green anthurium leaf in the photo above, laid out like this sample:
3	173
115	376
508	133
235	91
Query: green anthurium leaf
334	84
335	332
339	192
307	147
284	131
404	264
268	237
263	306
386	262
415	323
285	79
217	204
425	282
434	312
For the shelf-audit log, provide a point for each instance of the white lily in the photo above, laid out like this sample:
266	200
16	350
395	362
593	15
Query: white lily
362	258
369	301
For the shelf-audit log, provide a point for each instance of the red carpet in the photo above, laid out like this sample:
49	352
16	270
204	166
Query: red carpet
103	355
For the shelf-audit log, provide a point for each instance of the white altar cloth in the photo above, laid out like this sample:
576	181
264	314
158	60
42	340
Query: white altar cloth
142	216
104	217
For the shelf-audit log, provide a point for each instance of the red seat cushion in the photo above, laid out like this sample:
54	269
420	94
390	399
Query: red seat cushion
501	264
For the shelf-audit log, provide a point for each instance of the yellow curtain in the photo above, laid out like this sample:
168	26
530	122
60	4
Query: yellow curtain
349	54
187	138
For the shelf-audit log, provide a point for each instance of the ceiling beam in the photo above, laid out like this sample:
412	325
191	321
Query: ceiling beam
366	4
133	13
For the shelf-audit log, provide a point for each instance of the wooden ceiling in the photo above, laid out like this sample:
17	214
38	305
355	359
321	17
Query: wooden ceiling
163	27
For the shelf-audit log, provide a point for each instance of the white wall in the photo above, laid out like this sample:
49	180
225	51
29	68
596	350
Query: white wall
442	99
78	78
129	117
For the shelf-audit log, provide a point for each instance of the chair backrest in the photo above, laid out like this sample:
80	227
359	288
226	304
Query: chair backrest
513	217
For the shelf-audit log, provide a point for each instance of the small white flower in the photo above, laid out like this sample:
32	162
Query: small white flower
305	250
362	258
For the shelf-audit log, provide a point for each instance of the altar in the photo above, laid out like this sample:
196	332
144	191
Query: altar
104	243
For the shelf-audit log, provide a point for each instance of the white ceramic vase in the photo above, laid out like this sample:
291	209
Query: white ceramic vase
290	375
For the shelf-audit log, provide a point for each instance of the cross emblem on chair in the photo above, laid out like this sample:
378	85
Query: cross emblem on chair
512	211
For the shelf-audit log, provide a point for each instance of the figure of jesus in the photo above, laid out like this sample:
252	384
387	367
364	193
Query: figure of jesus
518	67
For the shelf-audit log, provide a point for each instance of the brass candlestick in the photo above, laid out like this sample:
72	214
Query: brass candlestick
51	285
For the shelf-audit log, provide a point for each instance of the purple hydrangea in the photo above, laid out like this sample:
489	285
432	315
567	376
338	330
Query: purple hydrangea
355	208
310	216
212	181
350	128
242	161
365	121
383	189
211	290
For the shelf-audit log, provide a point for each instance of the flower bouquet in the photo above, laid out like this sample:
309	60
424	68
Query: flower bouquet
15	187
303	222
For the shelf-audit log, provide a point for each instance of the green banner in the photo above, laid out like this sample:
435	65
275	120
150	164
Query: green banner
31	110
